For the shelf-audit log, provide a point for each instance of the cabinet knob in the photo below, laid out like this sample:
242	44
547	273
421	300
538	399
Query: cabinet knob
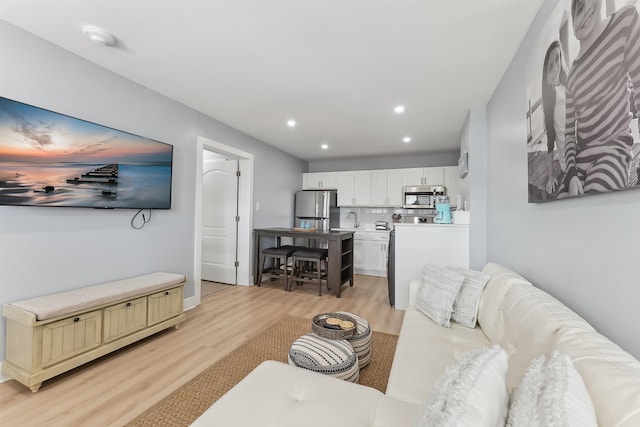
128	304
77	319
166	293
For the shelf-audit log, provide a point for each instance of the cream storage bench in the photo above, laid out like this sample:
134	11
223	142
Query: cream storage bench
52	334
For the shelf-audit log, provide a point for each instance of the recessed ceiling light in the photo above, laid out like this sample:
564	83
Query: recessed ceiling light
399	109
99	36
291	123
406	139
325	146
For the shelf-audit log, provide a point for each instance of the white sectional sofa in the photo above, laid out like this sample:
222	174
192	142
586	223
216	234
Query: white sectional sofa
523	319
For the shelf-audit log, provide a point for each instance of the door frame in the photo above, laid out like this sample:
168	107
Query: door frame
245	202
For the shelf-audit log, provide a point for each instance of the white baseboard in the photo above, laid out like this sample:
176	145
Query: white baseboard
2	377
376	273
189	303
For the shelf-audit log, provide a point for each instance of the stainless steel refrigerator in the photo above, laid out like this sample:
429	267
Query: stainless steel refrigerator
317	209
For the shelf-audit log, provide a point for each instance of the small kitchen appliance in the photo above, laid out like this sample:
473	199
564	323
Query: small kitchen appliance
421	197
411	219
443	207
382	225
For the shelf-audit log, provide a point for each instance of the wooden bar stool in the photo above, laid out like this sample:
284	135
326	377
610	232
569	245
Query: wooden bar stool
280	256
315	259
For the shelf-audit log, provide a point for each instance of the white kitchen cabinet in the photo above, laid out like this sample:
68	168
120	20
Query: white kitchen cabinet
377	250
413	176
394	187
319	181
346	188
423	176
386	188
452	183
362	185
381	187
370	252
354	188
311	181
359	251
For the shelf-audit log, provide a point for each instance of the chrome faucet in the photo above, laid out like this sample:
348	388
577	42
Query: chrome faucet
356	224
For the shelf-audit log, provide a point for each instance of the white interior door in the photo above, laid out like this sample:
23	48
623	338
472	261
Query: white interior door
219	225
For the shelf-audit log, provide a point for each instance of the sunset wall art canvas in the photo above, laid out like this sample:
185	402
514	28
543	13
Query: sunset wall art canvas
50	159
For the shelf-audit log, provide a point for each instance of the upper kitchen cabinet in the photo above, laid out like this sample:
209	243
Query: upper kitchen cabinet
319	181
354	188
452	183
423	176
386	188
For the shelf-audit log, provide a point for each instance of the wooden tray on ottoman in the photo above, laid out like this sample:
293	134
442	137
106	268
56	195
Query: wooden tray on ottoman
334	332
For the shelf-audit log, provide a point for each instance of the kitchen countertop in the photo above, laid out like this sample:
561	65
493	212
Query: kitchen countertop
291	232
402	224
355	230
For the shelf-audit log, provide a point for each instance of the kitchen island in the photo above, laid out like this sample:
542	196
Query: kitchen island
418	244
340	246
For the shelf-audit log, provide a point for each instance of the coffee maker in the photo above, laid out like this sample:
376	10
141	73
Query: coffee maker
443	207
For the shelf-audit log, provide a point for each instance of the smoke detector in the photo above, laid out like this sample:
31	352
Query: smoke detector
99	36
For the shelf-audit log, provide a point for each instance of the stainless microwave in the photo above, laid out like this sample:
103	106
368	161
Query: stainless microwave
422	196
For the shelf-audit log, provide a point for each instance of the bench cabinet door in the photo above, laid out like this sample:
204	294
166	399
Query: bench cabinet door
66	338
125	318
164	305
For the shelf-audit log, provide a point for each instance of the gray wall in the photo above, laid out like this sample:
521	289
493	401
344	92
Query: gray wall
473	140
386	162
583	251
47	250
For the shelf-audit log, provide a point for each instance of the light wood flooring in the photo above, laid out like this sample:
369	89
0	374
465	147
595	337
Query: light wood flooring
118	387
207	288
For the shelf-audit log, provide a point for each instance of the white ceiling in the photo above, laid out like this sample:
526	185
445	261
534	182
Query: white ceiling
338	67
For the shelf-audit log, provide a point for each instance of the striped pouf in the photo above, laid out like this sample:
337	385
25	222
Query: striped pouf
361	341
335	358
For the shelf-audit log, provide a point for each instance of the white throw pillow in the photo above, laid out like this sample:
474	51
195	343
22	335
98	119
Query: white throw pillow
465	306
551	393
471	392
437	293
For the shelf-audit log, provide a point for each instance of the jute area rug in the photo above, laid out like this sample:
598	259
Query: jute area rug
187	403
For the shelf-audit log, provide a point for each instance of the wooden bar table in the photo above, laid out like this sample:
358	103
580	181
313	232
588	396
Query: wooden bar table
340	265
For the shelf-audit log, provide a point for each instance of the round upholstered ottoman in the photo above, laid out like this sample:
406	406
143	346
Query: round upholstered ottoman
361	340
335	358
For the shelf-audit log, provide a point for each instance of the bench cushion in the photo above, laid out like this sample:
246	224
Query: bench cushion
424	351
60	304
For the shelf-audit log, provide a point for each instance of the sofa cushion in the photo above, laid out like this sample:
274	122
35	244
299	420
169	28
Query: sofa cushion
439	289
470	392
611	375
490	309
465	306
551	393
424	351
532	318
